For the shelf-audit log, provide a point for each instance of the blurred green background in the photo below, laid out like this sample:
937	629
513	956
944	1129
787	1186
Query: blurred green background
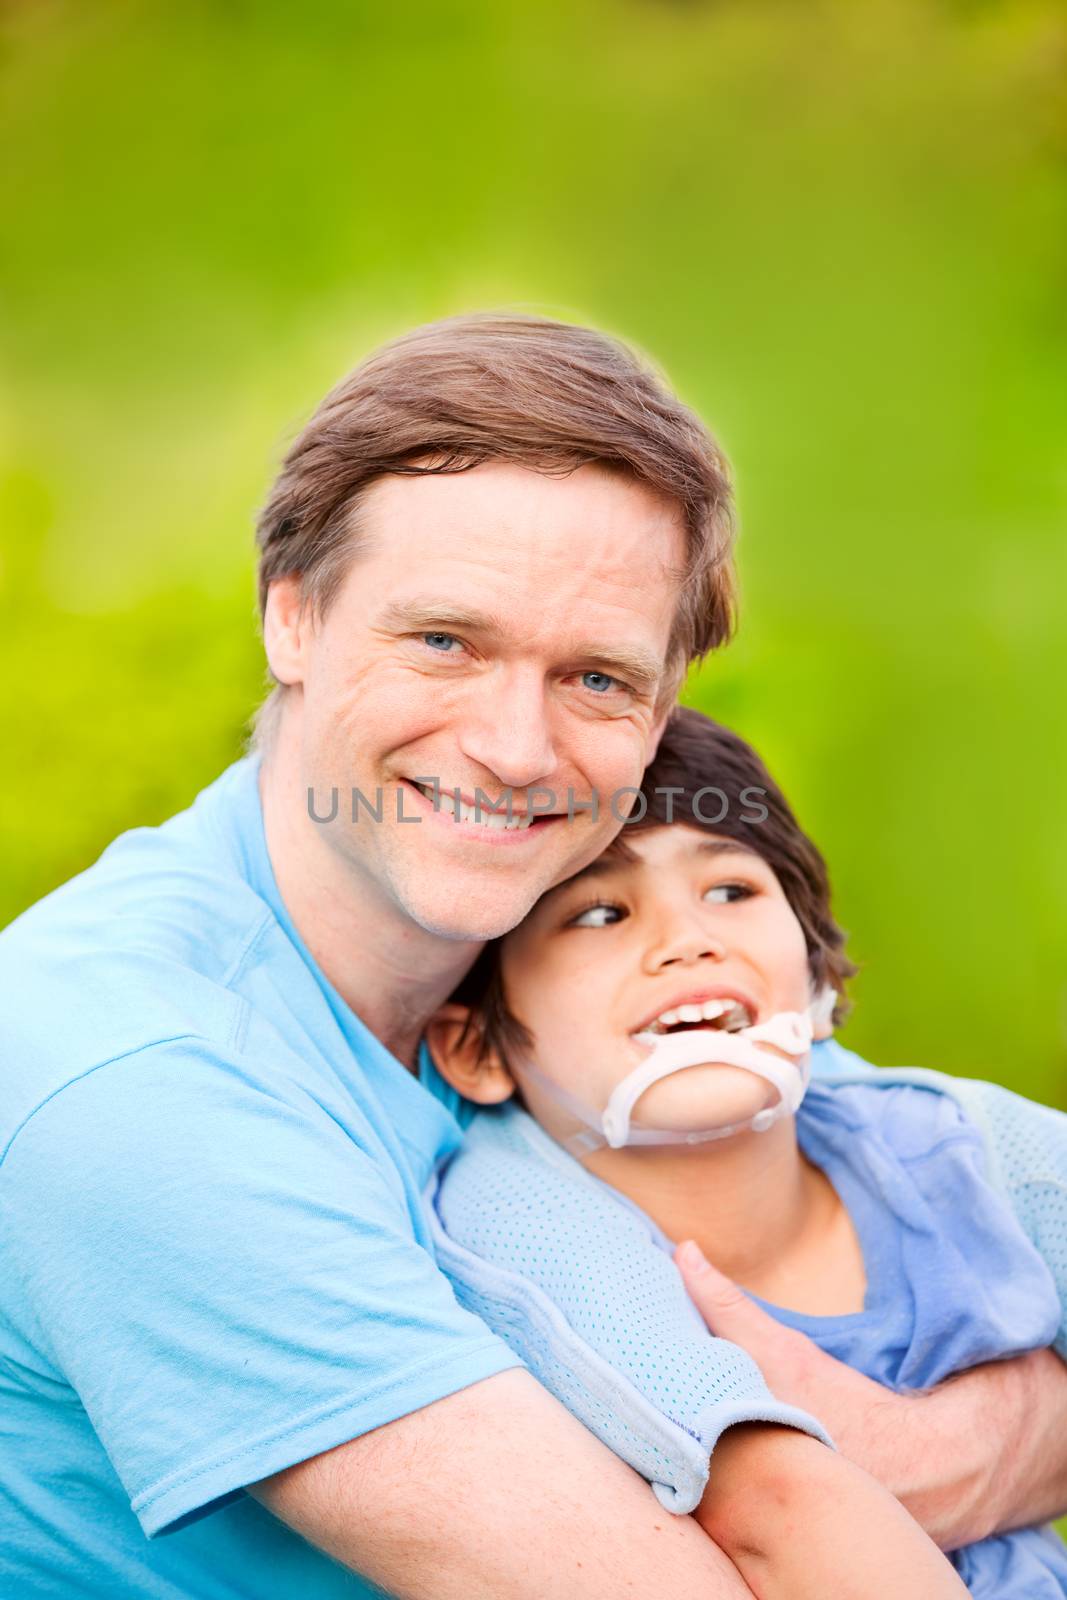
841	229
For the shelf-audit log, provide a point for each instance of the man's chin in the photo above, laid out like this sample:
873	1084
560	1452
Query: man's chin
465	918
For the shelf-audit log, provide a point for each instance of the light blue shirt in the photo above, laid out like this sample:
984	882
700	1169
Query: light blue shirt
213	1255
951	1280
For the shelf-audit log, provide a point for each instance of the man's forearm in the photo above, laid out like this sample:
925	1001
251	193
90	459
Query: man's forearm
496	1493
983	1453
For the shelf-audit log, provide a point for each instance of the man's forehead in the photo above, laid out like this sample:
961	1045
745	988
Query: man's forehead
589	525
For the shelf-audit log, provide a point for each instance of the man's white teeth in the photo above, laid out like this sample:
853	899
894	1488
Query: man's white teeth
496	820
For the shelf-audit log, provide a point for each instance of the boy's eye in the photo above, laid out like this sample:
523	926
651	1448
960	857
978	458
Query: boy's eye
598	916
723	894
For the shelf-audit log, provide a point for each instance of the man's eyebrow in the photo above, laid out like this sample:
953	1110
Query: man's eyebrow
643	669
427	616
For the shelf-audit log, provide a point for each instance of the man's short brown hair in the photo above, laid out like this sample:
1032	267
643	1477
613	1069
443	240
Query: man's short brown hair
546	395
698	757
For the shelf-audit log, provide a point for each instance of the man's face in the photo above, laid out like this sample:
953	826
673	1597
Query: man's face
498	630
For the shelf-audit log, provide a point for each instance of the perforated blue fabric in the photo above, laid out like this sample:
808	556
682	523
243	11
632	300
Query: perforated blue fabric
1025	1144
517	1223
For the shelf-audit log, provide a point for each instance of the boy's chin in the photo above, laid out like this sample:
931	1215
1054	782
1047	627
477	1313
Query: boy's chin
702	1098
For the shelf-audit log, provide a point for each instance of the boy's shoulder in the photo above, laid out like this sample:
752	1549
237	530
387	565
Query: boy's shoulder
914	1120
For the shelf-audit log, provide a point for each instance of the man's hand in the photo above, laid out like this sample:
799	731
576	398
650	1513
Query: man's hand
982	1453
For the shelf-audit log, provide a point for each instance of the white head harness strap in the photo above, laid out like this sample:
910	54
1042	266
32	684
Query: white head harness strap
788	1032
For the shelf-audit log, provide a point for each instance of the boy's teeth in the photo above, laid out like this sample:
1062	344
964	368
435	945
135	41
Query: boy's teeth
707	1011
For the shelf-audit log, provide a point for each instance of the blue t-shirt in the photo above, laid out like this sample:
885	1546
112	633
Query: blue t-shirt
213	1256
951	1280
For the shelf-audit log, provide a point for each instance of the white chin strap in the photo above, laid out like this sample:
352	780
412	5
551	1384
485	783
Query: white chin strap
788	1032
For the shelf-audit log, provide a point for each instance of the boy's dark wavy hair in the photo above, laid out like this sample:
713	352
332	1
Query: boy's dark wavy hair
697	754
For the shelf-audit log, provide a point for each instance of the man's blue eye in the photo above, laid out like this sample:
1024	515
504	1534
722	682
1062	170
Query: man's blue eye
599	682
439	641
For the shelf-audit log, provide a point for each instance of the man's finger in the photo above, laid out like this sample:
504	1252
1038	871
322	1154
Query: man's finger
794	1367
726	1309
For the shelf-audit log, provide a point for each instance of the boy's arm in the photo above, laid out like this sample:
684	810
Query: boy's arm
980	1454
829	1529
499	1492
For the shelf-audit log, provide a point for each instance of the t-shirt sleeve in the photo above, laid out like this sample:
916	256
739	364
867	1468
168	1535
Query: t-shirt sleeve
1018	1146
229	1281
1026	1147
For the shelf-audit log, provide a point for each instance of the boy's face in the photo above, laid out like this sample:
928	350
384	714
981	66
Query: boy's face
692	918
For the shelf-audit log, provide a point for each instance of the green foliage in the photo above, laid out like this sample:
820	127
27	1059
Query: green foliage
841	231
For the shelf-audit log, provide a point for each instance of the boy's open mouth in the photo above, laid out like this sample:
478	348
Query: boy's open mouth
725	1016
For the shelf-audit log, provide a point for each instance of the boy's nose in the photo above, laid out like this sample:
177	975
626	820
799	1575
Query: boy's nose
684	947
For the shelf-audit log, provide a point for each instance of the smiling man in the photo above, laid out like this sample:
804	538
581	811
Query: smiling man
485	565
505	637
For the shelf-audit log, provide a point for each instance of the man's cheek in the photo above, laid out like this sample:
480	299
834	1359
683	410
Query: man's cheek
616	770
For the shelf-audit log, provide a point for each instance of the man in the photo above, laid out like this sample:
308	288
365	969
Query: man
485	566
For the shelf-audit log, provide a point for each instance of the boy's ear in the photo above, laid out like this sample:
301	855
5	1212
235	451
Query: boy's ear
456	1049
823	1024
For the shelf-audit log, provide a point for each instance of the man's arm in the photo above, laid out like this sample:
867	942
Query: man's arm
980	1454
498	1492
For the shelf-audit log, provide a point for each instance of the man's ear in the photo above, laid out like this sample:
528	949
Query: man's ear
287	624
455	1043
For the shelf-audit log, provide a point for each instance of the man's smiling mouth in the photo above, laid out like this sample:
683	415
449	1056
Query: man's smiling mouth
505	820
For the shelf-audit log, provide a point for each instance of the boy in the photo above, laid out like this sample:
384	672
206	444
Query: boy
655	1013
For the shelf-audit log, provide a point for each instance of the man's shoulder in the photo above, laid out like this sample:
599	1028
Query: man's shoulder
143	946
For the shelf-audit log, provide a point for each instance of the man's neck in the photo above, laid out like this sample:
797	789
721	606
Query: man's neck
391	972
748	1200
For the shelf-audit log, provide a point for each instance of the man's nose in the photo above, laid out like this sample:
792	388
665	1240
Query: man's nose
683	942
505	729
